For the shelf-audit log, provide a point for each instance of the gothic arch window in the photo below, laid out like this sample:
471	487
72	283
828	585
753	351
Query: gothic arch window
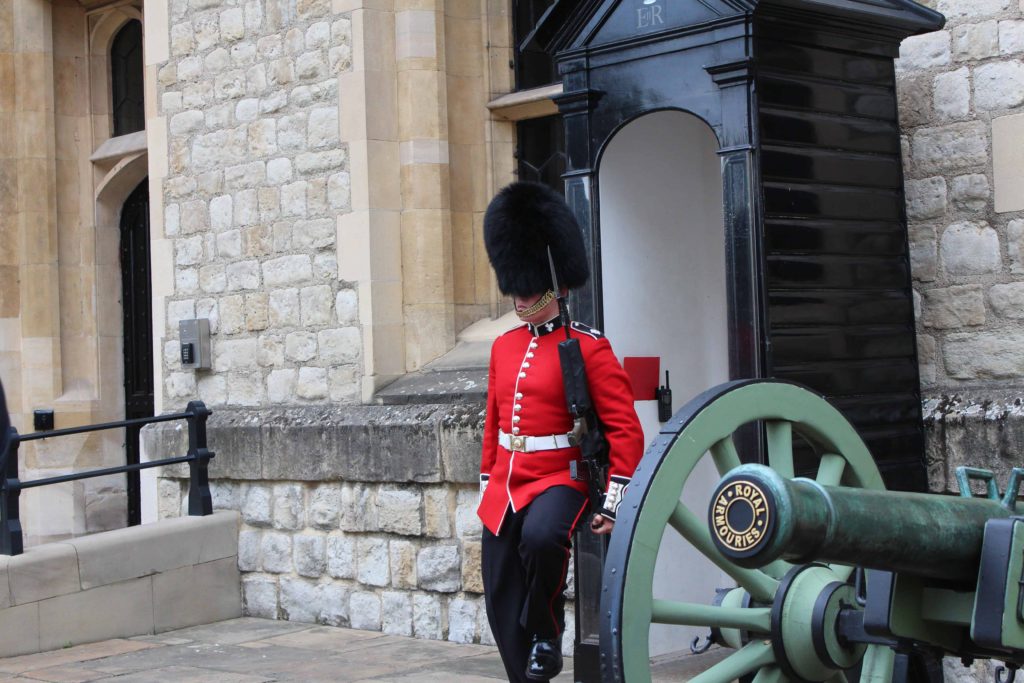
126	79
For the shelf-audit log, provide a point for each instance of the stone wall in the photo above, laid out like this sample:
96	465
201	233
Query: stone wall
360	516
256	178
961	91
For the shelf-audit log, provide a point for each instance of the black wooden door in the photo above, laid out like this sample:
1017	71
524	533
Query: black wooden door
138	329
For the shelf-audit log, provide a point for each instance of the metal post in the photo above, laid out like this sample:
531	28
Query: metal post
11	541
200	502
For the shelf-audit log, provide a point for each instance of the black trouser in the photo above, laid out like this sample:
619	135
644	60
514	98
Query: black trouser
524	573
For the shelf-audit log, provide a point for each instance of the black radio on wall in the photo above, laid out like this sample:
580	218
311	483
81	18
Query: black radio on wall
194	336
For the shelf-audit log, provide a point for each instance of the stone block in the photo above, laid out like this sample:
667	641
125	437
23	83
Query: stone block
334	604
923	252
322	127
462	618
998	85
341	556
289	506
954	307
972	42
364	611
19	630
472	577
957	11
950	147
1007	300
243	274
339	346
927	358
277	552
287	270
312	383
138	551
372	561
284	307
300	600
399	511
467	523
436	512
461	435
971	191
926	198
918	53
438	568
249	541
970	248
1015	245
403	564
952	96
914	94
259	597
197	594
396	613
324	506
43	572
126	609
427	616
316	302
984	355
310	559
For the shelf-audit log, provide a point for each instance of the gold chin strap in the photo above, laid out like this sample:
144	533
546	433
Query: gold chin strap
548	297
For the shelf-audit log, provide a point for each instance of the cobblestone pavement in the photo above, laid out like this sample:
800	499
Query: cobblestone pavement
249	650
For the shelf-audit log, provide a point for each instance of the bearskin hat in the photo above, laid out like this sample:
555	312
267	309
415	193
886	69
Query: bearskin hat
521	222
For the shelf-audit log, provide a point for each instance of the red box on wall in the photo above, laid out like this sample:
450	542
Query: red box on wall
643	374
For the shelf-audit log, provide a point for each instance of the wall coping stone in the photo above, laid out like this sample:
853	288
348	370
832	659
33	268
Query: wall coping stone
414	443
974	428
138	551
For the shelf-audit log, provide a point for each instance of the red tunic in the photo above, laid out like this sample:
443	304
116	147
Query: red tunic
525	382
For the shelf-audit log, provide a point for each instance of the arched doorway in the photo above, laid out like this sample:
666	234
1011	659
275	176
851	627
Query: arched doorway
664	293
136	306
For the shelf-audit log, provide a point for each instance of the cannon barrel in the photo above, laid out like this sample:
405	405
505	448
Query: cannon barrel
757	516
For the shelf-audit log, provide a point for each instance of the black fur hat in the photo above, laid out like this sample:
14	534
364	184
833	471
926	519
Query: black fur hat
521	222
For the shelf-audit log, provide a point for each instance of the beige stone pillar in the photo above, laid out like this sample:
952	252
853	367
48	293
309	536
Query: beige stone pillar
369	237
424	154
35	201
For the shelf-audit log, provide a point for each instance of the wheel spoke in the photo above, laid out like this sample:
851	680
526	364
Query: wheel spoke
777	569
780	447
725	456
760	586
877	664
693	614
752	656
830	471
770	674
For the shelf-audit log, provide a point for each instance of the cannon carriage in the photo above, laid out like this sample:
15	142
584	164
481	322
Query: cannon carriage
835	578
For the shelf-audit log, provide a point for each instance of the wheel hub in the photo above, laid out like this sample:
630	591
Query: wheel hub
805	614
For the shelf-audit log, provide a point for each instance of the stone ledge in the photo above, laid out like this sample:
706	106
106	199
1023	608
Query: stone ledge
140	551
972	429
137	581
427	443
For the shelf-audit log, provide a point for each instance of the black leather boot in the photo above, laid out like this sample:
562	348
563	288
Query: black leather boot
545	661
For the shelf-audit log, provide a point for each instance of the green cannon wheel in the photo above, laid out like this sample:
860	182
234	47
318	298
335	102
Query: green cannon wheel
773	618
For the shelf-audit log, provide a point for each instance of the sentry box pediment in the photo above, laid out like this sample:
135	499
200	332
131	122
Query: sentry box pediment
798	100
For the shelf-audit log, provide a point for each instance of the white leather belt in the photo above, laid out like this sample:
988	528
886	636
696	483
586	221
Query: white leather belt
531	444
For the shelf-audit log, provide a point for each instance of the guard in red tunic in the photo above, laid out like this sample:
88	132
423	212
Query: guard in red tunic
529	502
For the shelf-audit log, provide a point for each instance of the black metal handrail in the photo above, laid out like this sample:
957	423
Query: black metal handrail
198	458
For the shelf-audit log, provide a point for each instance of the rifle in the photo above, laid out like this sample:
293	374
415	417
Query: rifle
586	429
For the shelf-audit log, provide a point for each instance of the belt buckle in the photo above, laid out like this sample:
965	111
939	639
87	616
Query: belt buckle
518	443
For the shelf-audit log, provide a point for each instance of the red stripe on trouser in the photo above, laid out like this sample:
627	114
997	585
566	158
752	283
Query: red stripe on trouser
565	567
